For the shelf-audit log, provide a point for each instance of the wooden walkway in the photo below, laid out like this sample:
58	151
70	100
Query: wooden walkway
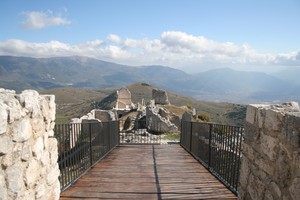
148	172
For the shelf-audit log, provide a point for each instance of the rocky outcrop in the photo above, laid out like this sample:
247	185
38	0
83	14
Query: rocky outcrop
28	150
270	166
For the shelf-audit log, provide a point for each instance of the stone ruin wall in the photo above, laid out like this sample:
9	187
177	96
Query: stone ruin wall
270	166
28	150
124	99
160	97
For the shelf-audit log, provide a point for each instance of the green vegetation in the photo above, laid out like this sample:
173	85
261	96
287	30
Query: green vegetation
75	102
172	136
204	117
61	119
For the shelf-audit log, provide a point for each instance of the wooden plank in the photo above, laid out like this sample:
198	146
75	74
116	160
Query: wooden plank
148	172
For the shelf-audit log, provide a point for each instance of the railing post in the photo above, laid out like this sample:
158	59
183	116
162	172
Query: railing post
118	133
191	137
209	144
91	154
181	132
108	135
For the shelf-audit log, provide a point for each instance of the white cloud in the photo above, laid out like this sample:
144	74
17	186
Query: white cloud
38	20
114	38
175	49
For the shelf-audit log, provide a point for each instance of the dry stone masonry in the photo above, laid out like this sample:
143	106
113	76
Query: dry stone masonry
124	99
271	153
160	97
28	150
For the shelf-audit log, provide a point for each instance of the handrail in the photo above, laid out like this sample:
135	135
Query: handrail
81	146
217	147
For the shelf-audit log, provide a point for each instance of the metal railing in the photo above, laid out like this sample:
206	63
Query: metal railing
140	132
217	147
81	146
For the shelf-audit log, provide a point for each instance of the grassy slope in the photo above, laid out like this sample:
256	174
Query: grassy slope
74	102
226	113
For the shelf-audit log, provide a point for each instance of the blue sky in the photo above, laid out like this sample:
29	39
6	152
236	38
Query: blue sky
192	35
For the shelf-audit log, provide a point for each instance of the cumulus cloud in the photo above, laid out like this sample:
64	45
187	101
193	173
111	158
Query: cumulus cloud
175	49
114	38
38	20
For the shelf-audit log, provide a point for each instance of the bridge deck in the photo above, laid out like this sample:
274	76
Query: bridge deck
148	172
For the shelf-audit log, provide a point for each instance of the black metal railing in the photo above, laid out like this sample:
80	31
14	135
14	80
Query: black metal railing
217	147
80	146
140	132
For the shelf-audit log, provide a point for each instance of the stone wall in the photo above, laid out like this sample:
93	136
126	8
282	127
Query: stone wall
270	166
157	123
124	99
28	151
160	97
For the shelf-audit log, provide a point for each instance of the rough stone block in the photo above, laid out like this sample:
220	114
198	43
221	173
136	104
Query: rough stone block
291	130
32	173
6	145
46	159
3	118
29	100
26	152
14	179
22	130
52	175
268	195
53	151
38	148
244	172
38	127
251	113
251	133
40	192
248	151
3	189
266	166
15	110
273	120
296	160
255	188
276	189
7	160
269	146
295	189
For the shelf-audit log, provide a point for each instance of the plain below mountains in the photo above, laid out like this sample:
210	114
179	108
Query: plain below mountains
219	85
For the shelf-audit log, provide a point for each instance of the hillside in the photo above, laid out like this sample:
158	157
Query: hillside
219	85
74	102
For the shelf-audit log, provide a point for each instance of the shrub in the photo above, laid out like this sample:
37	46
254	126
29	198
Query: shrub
204	117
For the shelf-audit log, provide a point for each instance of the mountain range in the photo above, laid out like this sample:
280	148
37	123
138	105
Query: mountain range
219	85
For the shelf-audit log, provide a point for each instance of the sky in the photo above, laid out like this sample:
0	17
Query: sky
190	35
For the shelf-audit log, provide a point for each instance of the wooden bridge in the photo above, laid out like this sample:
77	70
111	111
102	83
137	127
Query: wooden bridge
148	172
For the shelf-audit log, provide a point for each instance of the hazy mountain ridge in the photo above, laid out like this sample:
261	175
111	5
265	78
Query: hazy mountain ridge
223	84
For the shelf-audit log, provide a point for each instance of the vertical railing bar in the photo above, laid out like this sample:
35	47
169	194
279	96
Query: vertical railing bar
209	146
231	153
236	139
227	153
90	140
191	133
